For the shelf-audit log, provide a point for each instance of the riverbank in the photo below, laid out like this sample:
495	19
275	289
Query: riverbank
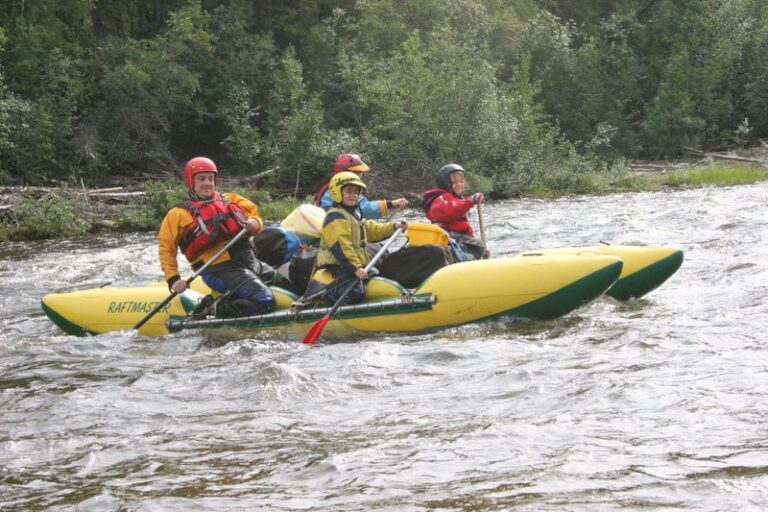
33	213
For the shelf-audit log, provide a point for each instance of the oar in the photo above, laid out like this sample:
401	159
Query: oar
191	278
313	334
482	226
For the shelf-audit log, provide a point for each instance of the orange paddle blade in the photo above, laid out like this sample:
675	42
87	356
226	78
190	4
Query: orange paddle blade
313	334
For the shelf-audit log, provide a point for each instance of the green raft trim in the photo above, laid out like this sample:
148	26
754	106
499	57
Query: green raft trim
646	279
569	297
65	325
283	317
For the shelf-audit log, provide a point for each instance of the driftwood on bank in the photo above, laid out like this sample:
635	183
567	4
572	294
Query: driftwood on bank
641	166
117	197
723	156
104	190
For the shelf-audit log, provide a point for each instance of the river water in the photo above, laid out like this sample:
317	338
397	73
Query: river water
655	404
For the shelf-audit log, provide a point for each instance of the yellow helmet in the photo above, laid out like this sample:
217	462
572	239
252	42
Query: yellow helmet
340	181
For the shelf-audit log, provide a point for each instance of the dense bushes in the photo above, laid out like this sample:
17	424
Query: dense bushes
527	93
49	216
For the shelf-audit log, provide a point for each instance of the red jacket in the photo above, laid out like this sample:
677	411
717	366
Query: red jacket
448	210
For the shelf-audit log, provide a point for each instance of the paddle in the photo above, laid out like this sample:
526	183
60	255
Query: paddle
191	278
313	334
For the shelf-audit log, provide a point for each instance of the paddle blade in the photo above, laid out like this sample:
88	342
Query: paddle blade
313	334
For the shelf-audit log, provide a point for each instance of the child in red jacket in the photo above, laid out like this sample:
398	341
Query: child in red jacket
448	207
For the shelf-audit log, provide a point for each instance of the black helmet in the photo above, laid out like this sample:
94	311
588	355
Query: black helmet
443	179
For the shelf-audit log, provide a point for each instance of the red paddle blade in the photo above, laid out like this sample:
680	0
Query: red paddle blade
313	334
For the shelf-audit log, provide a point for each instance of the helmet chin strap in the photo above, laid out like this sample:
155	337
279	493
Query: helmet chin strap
197	197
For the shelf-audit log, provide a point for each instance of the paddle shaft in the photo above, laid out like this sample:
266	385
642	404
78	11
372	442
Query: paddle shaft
313	334
480	221
367	269
191	278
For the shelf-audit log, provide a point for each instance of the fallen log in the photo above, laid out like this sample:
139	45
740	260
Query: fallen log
723	156
104	190
116	196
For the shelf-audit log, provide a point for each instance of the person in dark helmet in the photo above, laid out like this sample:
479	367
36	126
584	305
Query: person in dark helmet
202	225
345	235
448	207
350	162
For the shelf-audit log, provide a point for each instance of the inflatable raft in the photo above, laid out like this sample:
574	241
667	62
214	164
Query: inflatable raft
527	286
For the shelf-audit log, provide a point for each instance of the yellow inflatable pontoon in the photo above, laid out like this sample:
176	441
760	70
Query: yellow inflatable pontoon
645	267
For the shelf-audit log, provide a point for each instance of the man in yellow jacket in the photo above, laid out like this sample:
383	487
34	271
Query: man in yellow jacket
202	225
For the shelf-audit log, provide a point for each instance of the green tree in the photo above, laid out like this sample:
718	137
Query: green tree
14	116
298	139
671	121
143	86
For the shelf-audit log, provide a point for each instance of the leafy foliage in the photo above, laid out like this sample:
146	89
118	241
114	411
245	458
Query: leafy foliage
49	216
528	94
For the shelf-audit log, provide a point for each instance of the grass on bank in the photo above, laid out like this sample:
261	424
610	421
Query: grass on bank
694	177
50	216
66	215
597	183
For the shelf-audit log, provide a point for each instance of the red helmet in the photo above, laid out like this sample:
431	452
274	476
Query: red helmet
197	165
349	162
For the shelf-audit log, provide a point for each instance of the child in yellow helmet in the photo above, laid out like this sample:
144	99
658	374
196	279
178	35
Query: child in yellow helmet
345	235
